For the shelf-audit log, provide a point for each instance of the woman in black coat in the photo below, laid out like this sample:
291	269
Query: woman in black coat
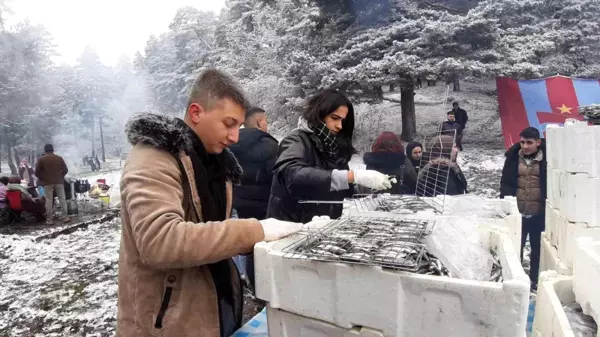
387	156
313	162
440	174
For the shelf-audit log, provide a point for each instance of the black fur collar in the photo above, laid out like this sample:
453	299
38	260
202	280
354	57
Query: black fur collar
172	135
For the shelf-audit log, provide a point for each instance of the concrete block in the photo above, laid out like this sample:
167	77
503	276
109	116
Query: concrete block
586	274
553	292
392	302
582	153
553	189
549	259
552	222
555	148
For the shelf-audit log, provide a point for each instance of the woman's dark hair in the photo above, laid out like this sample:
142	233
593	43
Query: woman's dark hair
324	104
4	180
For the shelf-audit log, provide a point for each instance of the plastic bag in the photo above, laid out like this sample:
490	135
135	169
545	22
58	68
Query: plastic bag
462	247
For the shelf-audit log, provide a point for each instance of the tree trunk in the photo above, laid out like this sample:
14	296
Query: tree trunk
93	140
17	157
0	151
11	164
456	82
409	121
102	141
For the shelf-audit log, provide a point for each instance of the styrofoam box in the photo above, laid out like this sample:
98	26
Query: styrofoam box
584	157
554	188
550	319
549	259
461	205
581	201
568	233
555	147
392	302
586	274
286	324
552	221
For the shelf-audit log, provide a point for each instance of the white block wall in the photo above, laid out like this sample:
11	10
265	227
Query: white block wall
586	275
286	324
582	149
582	199
552	221
549	259
395	303
550	318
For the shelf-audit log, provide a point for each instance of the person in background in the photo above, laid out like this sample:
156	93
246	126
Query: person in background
51	170
441	174
524	177
388	157
414	151
176	275
28	202
453	129
313	162
27	173
461	118
3	189
256	152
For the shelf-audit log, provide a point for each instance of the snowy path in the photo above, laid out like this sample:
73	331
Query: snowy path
67	286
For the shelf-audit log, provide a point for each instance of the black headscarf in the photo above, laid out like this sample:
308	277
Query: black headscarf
409	148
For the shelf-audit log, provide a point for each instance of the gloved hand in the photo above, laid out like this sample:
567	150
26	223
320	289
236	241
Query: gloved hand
275	229
372	179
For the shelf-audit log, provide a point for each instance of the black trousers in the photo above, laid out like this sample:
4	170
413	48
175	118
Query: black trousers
533	227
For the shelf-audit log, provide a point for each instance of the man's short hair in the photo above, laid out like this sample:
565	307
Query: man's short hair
48	148
4	180
253	111
213	85
455	104
451	112
530	133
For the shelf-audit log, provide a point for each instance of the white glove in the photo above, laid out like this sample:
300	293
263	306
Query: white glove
275	229
372	179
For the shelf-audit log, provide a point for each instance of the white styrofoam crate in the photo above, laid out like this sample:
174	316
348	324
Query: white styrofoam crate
553	188
393	302
287	324
549	259
555	148
552	221
585	156
550	319
581	201
567	233
586	274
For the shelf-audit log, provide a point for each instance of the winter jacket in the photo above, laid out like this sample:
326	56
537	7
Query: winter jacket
526	182
166	287
256	151
27	173
448	126
441	175
392	163
3	190
461	117
51	169
304	172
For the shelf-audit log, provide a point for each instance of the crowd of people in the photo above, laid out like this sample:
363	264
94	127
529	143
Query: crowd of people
198	191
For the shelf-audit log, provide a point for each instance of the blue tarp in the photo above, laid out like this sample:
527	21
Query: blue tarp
256	327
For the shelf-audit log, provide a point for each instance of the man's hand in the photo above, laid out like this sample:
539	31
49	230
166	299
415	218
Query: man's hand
275	229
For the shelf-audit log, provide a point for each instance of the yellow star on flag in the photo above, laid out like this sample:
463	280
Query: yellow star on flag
564	109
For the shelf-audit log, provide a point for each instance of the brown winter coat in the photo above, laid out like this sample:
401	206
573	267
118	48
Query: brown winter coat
529	186
165	247
51	169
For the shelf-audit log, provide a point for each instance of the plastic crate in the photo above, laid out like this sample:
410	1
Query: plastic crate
586	274
549	259
550	319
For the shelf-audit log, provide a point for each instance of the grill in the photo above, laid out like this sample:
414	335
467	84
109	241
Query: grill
390	243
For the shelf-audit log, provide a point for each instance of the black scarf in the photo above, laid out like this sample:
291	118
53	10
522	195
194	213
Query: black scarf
210	176
330	141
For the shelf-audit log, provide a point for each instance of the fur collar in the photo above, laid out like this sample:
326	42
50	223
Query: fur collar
173	135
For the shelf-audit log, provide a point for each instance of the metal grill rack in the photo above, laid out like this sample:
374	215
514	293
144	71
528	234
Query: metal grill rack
434	174
395	204
390	243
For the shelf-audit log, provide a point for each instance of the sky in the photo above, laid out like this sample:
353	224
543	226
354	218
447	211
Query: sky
112	27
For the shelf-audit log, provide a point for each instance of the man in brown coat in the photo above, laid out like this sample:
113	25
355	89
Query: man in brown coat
176	275
51	170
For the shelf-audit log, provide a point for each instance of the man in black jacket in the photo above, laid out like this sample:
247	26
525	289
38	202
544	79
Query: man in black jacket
461	117
524	176
256	151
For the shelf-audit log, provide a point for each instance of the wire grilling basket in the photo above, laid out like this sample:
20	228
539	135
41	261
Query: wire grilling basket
395	204
390	243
